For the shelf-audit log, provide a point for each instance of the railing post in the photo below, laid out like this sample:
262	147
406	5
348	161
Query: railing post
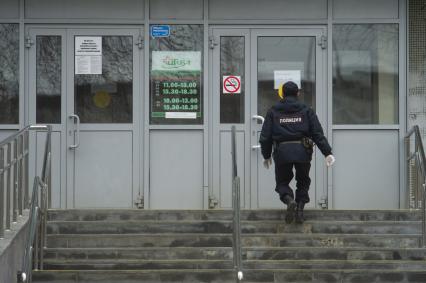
36	241
2	172
9	177
416	182
423	212
407	172
26	172
236	210
43	211
15	182
49	169
20	175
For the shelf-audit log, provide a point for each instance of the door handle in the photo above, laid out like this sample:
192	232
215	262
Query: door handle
261	119
258	117
77	119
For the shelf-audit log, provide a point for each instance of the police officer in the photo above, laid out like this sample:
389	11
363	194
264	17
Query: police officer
289	129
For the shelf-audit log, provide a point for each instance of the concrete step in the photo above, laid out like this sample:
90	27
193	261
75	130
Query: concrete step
139	240
228	276
134	276
225	253
114	264
129	246
225	240
335	264
332	240
335	227
206	215
214	253
318	253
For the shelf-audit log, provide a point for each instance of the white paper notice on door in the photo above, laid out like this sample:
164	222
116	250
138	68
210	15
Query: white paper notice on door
283	76
88	55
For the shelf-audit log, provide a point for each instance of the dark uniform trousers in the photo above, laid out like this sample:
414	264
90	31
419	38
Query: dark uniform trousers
284	175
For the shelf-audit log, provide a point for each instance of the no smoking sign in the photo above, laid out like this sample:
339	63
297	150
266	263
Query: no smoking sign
231	84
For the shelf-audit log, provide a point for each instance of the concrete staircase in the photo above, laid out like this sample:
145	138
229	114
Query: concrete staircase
117	246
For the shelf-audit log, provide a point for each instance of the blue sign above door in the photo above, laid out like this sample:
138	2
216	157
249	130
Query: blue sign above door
160	31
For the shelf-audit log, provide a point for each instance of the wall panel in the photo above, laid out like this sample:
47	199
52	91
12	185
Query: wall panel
181	10
9	9
267	9
103	170
84	9
176	169
366	172
416	100
365	9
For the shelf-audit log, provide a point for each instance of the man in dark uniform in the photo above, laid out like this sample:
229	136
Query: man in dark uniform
289	128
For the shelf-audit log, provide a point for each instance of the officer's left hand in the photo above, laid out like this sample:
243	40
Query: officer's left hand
329	160
267	163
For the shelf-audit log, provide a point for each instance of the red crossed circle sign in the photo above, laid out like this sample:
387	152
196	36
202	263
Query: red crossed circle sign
231	84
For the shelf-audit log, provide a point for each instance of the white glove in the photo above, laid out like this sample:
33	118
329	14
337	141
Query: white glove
329	160
267	163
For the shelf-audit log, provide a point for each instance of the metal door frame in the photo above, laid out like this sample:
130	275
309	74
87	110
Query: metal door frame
319	184
30	97
67	32
135	127
321	102
217	128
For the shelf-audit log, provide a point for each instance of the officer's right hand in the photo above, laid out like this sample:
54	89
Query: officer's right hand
267	163
329	160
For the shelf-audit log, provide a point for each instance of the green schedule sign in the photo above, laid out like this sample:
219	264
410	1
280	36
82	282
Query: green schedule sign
176	85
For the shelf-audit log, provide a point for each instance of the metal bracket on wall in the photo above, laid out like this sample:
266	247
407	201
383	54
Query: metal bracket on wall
212	42
140	202
28	41
213	202
323	202
323	42
139	42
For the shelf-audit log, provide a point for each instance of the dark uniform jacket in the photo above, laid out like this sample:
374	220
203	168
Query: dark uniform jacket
291	120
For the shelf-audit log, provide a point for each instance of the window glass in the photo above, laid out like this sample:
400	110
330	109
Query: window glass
9	74
176	64
365	74
232	81
103	83
283	58
48	81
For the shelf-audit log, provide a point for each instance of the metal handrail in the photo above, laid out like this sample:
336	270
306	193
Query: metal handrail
416	165
236	210
14	169
13	178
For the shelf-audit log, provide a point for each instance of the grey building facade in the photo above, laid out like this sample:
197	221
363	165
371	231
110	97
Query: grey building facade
142	95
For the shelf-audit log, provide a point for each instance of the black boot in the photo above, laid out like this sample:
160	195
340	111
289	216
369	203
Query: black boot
299	213
291	208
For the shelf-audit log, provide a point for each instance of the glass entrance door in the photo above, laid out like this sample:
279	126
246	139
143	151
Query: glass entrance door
279	56
84	84
262	59
231	104
102	124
